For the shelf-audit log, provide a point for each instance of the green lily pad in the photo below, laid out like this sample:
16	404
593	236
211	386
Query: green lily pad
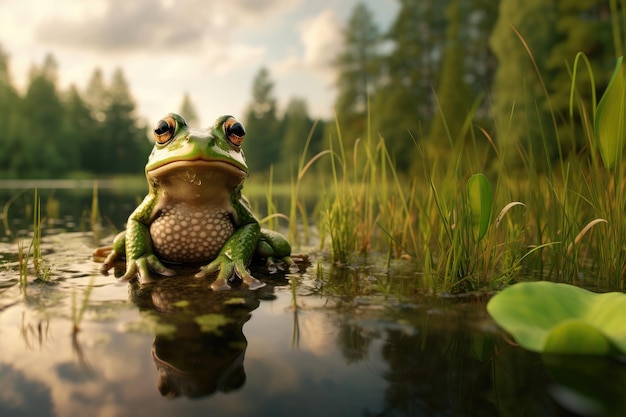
559	318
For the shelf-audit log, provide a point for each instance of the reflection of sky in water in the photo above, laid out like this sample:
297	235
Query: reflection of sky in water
333	356
113	372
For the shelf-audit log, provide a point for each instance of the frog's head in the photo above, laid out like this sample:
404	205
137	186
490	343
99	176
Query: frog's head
182	154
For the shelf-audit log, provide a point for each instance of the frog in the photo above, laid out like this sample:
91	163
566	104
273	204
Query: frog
194	212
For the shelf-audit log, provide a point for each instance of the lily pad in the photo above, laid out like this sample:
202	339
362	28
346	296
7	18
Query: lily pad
560	318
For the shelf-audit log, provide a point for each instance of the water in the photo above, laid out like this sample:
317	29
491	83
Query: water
336	346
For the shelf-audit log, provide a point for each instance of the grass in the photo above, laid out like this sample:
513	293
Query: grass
33	253
78	310
559	219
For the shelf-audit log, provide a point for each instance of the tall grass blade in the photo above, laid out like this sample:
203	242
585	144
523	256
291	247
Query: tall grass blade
480	198
610	116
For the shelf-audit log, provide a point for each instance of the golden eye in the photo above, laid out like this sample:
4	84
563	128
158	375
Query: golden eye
235	132
164	130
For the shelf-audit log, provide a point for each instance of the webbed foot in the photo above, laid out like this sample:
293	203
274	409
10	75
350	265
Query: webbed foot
228	268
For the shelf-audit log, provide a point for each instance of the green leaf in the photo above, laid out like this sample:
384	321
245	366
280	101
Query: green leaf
575	337
560	318
480	200
610	116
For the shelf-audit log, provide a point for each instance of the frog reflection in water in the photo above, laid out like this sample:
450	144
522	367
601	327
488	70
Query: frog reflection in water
199	345
194	212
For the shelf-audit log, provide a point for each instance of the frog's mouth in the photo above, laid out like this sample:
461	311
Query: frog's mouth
211	172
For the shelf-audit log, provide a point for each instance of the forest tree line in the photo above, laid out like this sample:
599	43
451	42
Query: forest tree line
437	65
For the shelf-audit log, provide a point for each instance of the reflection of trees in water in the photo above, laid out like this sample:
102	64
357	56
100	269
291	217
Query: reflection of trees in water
442	374
438	366
354	341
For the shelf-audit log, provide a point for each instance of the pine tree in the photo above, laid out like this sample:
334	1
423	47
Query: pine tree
262	143
9	112
127	147
453	94
188	111
295	128
403	106
96	95
81	129
520	105
42	151
359	73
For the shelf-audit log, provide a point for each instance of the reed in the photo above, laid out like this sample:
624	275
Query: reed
78	308
465	229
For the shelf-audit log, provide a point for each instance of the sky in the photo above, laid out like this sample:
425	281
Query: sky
209	49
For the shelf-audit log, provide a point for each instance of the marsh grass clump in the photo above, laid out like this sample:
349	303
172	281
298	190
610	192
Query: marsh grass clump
468	221
32	253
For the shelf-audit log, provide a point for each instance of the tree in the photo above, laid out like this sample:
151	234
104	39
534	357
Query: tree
583	26
124	147
262	143
359	73
9	106
96	95
453	94
296	126
520	105
42	150
188	111
81	129
403	105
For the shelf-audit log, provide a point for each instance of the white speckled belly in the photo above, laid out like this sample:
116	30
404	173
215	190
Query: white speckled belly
187	233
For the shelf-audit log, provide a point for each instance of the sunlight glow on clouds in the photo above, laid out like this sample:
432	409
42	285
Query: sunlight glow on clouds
211	50
320	38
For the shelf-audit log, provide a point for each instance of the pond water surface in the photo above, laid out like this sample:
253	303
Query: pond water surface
324	341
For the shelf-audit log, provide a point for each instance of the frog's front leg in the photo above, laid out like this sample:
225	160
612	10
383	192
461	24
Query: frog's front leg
234	258
140	257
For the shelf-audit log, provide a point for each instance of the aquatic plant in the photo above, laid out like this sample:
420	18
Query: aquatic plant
557	318
34	252
78	310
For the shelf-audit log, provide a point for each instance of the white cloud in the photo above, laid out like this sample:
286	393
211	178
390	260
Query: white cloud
140	25
321	41
210	49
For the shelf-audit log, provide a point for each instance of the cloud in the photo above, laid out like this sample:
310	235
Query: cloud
321	41
147	25
201	35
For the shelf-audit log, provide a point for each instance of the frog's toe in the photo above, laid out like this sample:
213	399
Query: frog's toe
207	270
253	283
247	278
108	262
102	252
155	265
131	270
220	285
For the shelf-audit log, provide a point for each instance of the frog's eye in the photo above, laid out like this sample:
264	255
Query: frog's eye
235	132
164	130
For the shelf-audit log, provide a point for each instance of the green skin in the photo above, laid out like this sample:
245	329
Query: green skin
194	174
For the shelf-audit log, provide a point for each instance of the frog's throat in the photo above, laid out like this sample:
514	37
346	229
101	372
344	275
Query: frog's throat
199	168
